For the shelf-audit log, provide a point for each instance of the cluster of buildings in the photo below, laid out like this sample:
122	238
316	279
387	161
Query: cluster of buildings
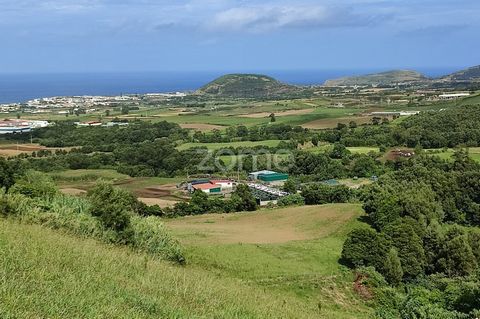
20	126
85	101
262	185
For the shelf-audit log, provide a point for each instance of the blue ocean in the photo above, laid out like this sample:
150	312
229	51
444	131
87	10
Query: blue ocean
24	87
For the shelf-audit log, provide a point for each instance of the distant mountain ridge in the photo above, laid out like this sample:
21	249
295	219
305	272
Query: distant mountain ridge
471	74
247	86
383	78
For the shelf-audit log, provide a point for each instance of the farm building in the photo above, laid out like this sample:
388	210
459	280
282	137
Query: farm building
211	186
208	188
268	176
453	96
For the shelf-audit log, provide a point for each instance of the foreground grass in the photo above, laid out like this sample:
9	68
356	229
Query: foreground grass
46	274
306	270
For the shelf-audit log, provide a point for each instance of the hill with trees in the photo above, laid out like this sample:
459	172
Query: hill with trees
383	78
470	74
248	86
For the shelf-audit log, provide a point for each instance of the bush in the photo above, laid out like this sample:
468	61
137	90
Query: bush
291	200
113	207
14	204
317	194
34	185
151	236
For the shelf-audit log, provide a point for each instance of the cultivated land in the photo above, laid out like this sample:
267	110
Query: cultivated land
150	190
218	146
10	150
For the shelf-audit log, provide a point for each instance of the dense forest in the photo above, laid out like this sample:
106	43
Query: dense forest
421	254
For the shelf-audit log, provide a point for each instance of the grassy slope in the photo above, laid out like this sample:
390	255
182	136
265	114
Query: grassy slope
45	274
307	270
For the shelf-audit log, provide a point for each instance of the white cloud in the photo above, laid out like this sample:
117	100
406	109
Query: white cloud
270	17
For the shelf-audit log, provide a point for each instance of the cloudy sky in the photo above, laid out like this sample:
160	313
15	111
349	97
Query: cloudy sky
239	35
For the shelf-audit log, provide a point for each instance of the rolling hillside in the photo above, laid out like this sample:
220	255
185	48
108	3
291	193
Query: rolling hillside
470	74
285	270
384	78
247	86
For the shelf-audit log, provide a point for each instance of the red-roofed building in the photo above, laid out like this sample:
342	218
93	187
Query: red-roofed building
208	188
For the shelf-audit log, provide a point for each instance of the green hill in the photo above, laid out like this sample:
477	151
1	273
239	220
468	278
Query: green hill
48	274
247	86
470	74
384	78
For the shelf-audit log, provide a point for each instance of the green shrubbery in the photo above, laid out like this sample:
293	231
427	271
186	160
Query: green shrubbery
291	200
110	214
424	238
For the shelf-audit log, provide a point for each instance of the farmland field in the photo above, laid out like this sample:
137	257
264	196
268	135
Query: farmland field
160	191
218	146
473	152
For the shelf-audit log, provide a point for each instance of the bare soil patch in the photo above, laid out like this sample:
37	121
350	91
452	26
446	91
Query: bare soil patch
8	150
73	191
266	226
157	201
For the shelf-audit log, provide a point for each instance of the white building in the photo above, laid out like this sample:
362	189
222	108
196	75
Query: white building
453	96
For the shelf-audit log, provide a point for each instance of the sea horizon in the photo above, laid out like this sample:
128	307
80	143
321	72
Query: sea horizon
21	87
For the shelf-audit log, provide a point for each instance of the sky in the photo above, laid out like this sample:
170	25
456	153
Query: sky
236	35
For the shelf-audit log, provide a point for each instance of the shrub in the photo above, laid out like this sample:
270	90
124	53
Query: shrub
291	200
151	236
113	207
34	185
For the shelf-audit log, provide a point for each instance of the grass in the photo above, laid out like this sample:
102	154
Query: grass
47	274
353	150
218	146
473	152
304	269
108	174
85	178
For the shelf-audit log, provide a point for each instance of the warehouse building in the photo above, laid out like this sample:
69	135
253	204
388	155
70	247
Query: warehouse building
270	177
